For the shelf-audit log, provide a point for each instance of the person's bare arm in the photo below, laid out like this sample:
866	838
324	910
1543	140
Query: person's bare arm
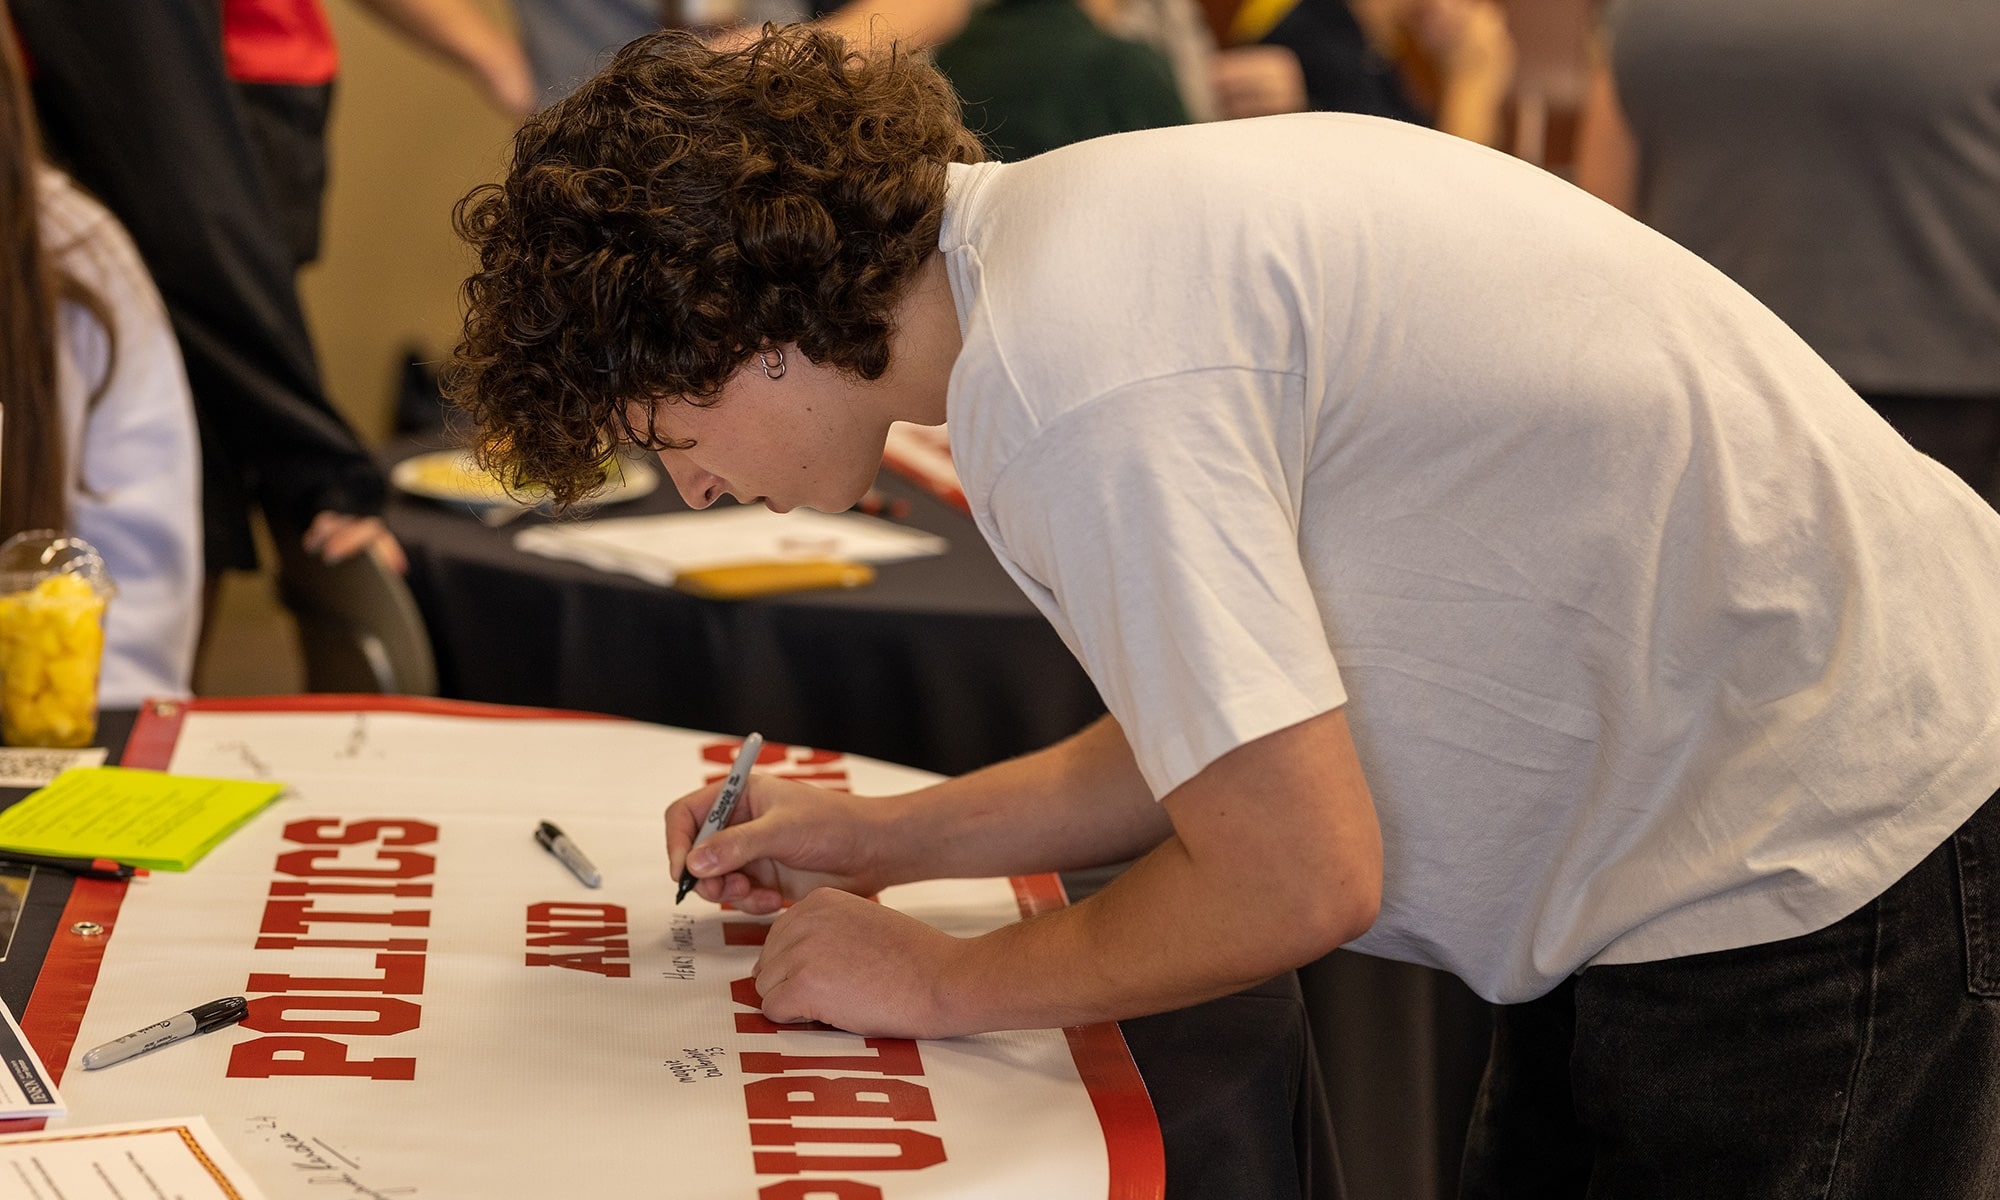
462	35
1274	858
914	24
1607	155
336	536
1474	54
1258	81
875	25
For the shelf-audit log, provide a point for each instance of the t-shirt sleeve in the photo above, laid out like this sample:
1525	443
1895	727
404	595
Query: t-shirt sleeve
1157	528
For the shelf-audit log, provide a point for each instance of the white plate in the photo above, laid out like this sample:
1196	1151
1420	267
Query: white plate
453	476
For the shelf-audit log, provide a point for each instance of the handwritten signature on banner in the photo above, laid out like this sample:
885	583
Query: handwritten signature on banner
323	1164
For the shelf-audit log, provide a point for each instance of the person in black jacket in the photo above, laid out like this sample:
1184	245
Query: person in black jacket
137	106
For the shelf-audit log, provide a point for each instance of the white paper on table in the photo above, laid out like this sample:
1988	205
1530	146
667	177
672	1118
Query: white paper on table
659	548
33	766
26	1087
178	1157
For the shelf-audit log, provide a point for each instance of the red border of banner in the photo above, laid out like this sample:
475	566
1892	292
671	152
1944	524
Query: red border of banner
1133	1149
1137	1158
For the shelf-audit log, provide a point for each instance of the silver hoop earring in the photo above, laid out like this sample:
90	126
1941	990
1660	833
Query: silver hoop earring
772	370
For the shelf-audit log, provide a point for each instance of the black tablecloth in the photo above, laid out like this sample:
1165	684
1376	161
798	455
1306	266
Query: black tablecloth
941	663
1237	1086
1242	1111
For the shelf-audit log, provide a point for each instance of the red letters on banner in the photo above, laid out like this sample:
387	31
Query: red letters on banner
819	1189
803	763
339	869
875	1093
593	938
869	1083
335	880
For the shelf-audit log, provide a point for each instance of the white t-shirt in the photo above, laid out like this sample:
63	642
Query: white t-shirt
1653	638
135	461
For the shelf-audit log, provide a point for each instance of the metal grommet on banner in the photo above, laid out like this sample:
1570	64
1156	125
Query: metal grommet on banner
87	929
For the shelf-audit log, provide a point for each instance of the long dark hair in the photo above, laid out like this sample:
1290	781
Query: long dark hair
31	449
33	459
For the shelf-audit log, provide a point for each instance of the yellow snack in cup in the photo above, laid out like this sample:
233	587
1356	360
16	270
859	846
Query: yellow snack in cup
51	641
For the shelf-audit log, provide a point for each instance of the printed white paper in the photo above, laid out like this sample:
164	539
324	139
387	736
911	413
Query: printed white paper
178	1157
26	1089
658	548
31	766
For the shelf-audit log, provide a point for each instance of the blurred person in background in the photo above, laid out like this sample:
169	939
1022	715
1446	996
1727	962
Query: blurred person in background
137	104
1444	63
569	40
98	437
1178	31
1841	160
1037	74
282	57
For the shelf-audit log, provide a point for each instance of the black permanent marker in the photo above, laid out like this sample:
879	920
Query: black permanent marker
725	803
556	842
199	1019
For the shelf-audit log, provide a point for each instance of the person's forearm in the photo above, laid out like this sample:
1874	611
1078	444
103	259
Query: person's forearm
463	35
911	24
1470	106
1163	935
1478	70
1277	862
1078	803
1607	155
1274	859
452	29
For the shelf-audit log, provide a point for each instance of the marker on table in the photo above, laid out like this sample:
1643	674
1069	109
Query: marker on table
87	868
199	1019
556	842
725	803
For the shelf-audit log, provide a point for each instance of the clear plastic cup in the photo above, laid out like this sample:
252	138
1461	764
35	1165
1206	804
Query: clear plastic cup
53	593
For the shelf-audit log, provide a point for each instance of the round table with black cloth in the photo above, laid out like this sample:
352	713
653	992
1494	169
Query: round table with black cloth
943	664
1238	1094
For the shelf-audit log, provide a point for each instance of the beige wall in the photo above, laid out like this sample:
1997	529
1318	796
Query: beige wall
409	136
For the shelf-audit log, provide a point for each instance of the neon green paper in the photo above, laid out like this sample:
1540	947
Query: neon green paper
149	819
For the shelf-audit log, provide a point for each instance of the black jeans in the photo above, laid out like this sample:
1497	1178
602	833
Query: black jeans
1861	1062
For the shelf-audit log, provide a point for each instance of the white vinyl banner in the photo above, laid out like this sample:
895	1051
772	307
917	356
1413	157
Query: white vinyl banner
439	1009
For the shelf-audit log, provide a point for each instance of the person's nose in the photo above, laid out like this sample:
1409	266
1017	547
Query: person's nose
698	488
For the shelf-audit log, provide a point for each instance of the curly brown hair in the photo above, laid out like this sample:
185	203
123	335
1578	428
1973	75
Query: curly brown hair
681	211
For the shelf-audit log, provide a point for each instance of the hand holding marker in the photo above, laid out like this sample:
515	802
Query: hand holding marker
725	803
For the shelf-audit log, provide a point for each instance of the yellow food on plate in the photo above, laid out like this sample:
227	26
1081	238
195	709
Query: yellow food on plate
51	645
458	476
